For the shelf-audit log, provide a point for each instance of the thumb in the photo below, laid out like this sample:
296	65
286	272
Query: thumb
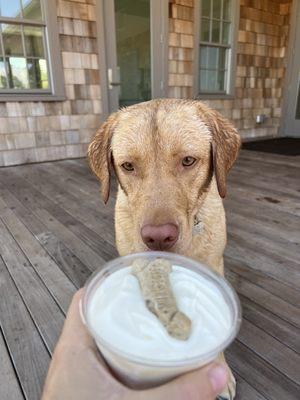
202	384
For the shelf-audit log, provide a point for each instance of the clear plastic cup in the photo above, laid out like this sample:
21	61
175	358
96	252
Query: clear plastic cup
137	371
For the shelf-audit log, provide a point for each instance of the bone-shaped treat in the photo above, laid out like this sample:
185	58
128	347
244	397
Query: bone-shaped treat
155	285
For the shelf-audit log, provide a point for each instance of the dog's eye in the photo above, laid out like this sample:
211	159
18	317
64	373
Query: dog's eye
188	161
128	166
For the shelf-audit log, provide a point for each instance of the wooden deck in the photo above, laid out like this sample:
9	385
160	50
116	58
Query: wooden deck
54	231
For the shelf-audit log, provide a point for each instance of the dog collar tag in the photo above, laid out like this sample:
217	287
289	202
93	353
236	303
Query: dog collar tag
198	226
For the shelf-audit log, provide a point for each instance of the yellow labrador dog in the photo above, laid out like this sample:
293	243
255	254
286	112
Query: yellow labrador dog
171	158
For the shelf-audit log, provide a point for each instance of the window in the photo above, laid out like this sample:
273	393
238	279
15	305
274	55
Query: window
27	36
216	46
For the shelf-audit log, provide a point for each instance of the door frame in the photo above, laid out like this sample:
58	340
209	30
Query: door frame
159	23
287	105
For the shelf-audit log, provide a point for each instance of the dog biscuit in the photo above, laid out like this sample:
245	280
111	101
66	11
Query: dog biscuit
155	285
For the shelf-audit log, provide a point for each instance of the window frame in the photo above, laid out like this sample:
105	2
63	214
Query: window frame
56	91
231	59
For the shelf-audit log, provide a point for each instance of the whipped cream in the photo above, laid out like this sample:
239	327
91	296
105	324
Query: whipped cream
117	313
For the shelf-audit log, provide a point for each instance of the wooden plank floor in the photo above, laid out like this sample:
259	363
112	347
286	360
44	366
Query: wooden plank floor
54	231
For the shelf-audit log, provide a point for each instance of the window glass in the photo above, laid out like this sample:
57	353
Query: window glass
216	31
34	41
213	56
205	9
12	40
203	80
32	9
133	36
205	29
212	81
212	68
10	8
203	59
221	80
217	7
226	33
18	76
37	70
222	61
226	9
3	79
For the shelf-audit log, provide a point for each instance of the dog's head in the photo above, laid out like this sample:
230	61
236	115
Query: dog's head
164	154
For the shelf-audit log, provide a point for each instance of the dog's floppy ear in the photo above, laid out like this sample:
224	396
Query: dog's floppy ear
225	145
99	154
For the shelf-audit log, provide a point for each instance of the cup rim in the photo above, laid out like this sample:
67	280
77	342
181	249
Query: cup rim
118	263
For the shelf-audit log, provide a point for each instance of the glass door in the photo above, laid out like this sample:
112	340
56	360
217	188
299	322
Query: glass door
132	19
136	57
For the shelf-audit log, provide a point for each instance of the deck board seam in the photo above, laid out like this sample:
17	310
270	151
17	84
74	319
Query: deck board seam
268	333
19	292
268	362
82	239
8	350
38	239
30	263
261	305
54	202
278	316
240	259
244	378
261	286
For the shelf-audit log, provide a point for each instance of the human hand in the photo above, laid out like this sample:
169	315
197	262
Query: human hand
78	372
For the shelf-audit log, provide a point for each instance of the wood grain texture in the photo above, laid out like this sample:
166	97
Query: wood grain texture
279	289
286	333
9	384
54	231
260	374
52	276
272	303
51	183
245	391
74	269
44	310
26	347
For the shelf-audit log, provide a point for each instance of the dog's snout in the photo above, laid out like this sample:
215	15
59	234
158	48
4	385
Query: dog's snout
160	237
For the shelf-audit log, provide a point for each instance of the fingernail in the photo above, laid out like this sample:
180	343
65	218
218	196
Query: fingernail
218	377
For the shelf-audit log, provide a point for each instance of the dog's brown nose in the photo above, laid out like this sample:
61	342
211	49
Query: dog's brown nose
159	237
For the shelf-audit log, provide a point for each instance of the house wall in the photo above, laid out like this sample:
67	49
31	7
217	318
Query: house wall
40	131
261	59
